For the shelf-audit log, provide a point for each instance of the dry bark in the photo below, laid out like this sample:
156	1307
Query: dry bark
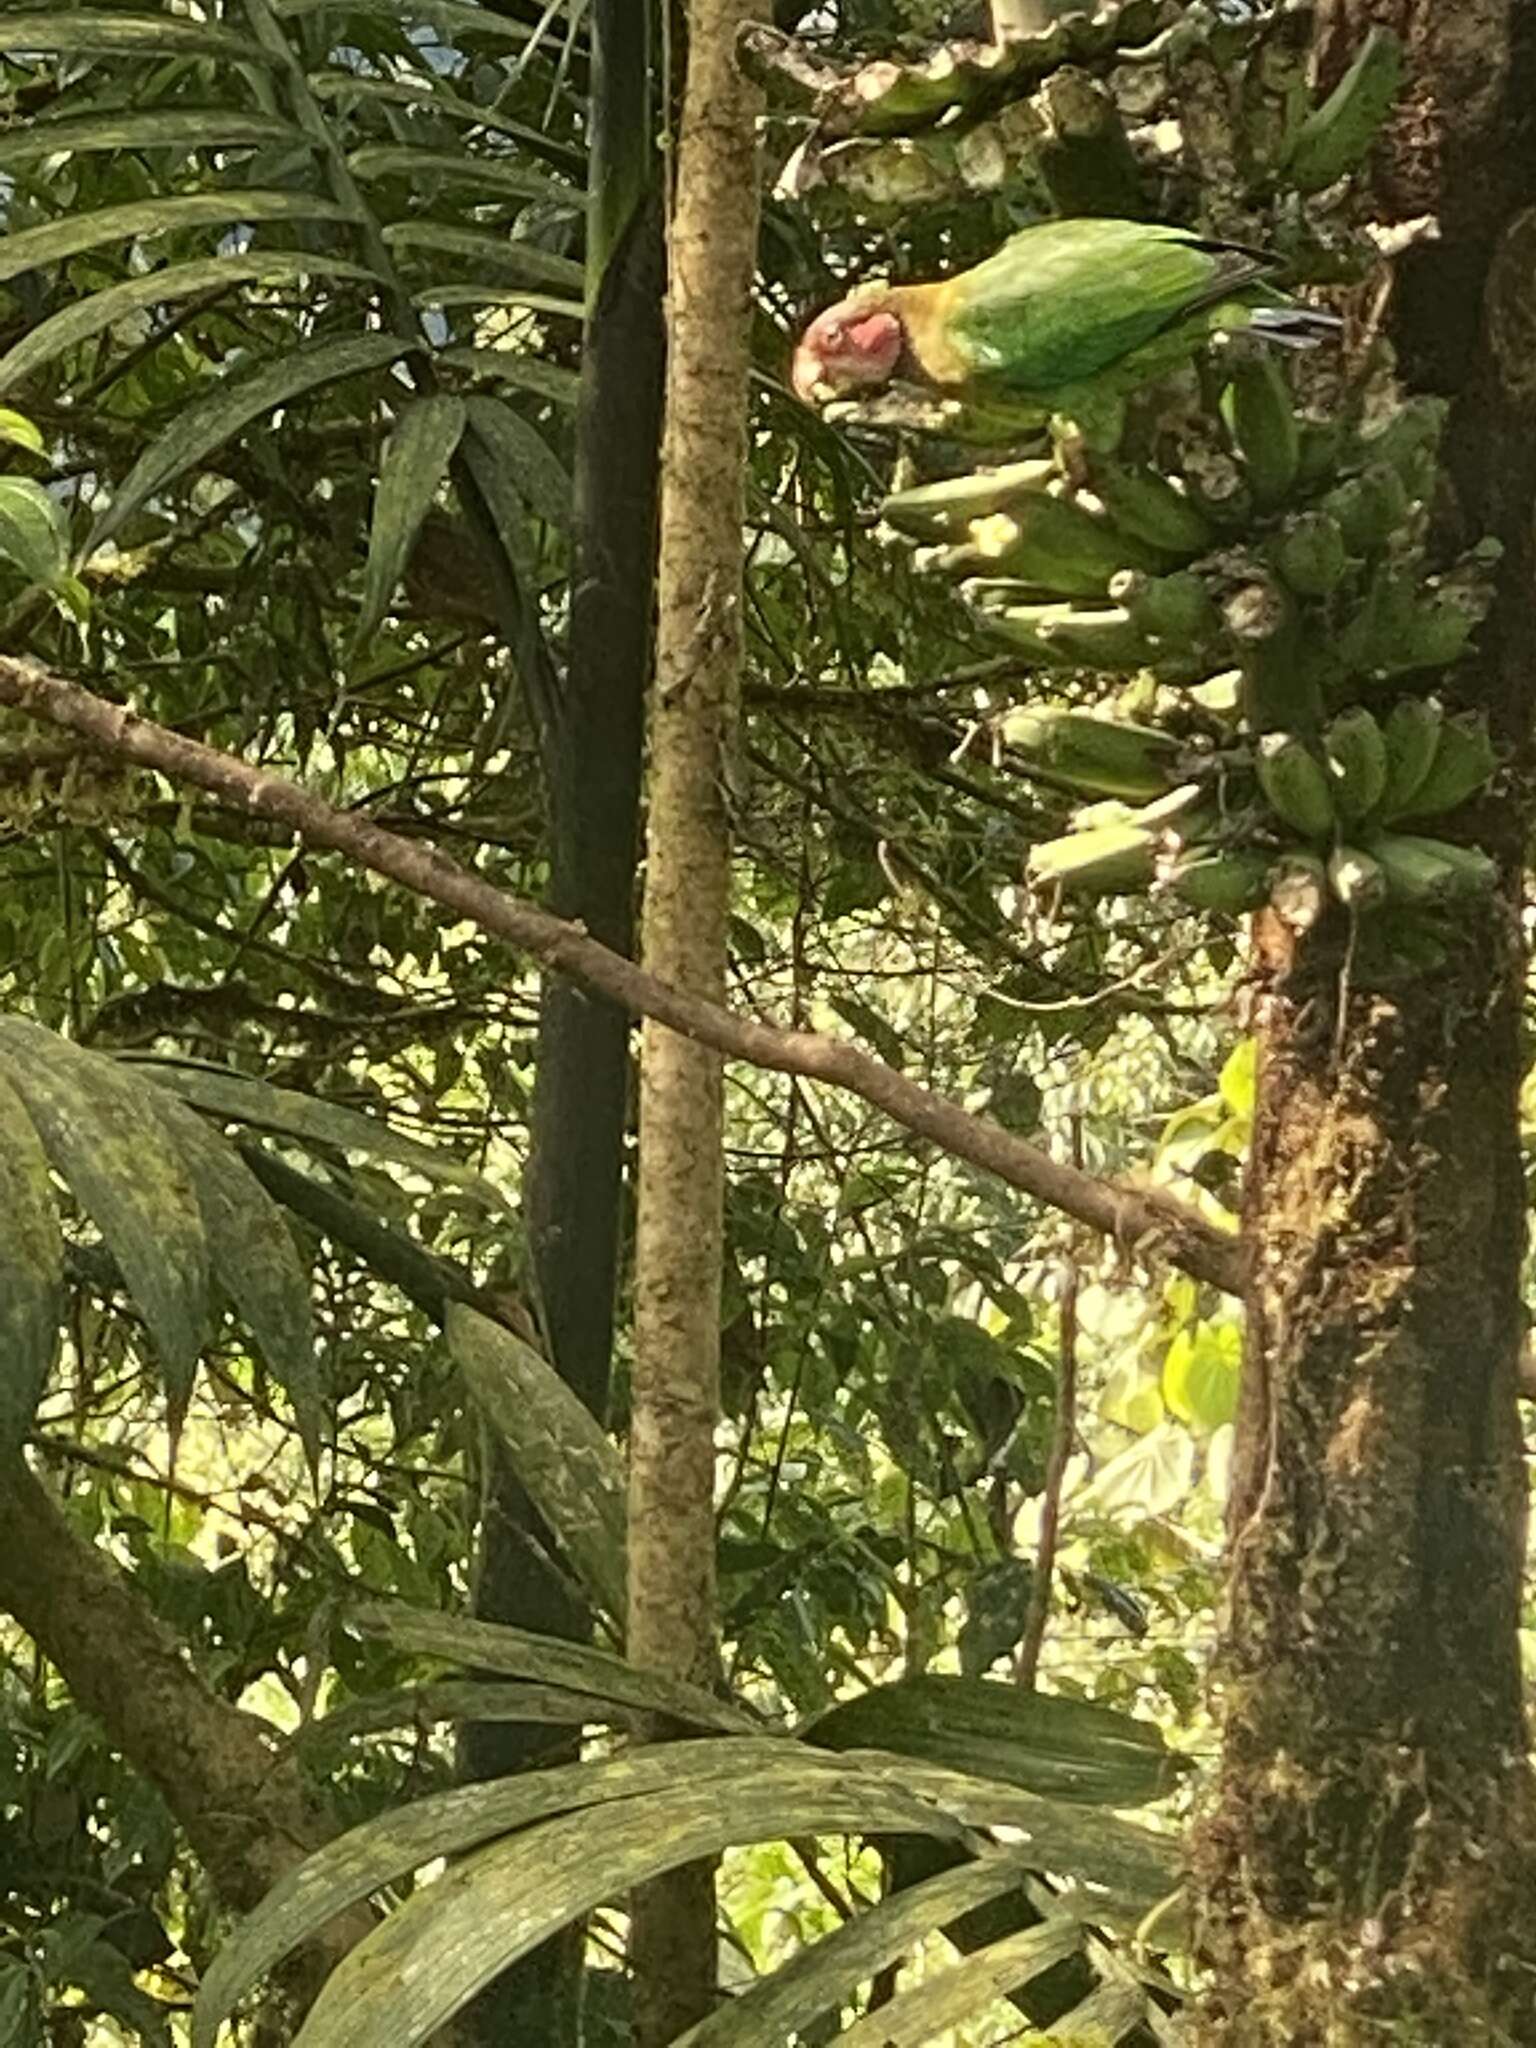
1367	1865
680	1193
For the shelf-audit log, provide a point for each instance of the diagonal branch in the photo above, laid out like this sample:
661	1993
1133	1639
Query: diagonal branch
1145	1221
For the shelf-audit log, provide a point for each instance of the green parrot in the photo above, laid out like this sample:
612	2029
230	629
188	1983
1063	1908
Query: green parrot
1066	311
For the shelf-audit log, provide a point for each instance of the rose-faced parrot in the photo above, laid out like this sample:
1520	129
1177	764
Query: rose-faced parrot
1066	310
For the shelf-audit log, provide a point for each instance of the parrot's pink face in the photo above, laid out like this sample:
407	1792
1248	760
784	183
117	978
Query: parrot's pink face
845	348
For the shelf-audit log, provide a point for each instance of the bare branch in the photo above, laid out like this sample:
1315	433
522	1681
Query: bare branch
1144	1221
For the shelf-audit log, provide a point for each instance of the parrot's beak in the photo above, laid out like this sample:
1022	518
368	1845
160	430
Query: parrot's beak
805	375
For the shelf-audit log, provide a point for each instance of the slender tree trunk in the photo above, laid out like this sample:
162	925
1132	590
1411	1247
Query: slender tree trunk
713	247
573	1191
1369	1867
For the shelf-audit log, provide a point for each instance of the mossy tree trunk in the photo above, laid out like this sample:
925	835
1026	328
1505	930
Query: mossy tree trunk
679	1220
1368	1868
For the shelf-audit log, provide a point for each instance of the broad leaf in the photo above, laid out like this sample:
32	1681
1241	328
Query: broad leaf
515	366
84	317
525	457
1152	1475
31	1271
402	160
307	1118
457	1699
1201	1375
431	92
209	423
105	1140
819	1978
523	261
34	533
926	2012
415	462
76	31
1061	1748
562	1456
254	1261
167	128
488	1646
114	225
18	431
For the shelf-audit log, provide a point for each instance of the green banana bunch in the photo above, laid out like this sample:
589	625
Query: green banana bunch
1146	506
1369	509
1099	756
1430	871
1357	879
1106	860
1100	637
1230	880
946	511
1411	736
1265	430
1311	554
1355	749
1409	443
1295	785
1336	136
1176	611
1047	542
1464	759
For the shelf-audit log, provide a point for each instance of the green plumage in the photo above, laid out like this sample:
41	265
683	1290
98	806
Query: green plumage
1072	303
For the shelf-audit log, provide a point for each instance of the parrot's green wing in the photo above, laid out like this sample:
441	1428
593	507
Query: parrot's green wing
1064	300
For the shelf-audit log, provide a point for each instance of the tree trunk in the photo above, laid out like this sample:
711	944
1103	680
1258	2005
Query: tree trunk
1367	1868
573	1190
678	1254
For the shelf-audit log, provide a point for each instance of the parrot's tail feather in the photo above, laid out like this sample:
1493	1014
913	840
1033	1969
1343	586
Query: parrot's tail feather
1294	326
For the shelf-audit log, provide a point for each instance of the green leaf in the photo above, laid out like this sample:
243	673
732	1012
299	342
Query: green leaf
514	366
84	317
523	457
18	430
562	1456
525	262
108	225
213	420
31	1271
105	1140
496	295
34	533
1239	1083
454	1699
1201	1375
238	1099
488	1646
401	160
822	1977
78	30
432	92
254	1261
927	2012
167	128
415	463
1061	1748
659	1809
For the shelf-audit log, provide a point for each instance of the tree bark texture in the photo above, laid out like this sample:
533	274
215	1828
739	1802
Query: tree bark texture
246	1812
1368	1866
573	1189
712	249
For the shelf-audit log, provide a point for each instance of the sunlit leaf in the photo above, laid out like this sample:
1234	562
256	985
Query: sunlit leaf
213	420
83	317
18	430
31	1270
1152	1476
34	533
1201	1374
1240	1077
563	1458
416	460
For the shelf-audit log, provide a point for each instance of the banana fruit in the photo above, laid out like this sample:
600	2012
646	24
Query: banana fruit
1464	759
1099	756
1265	429
1045	541
1295	785
1355	748
1337	135
1411	736
945	511
1145	506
